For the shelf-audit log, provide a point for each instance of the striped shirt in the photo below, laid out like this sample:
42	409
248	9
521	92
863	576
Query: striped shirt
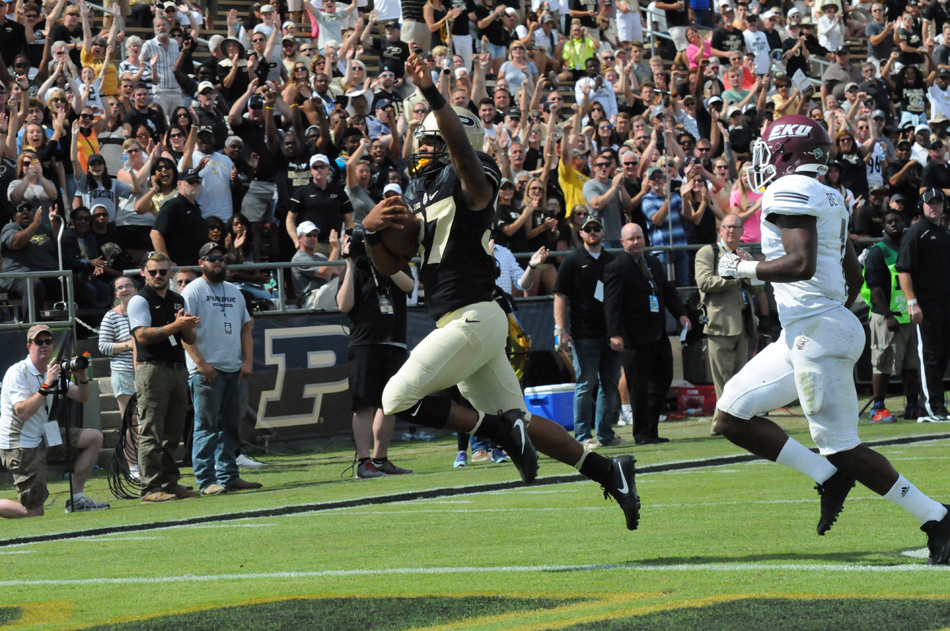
660	235
164	68
115	328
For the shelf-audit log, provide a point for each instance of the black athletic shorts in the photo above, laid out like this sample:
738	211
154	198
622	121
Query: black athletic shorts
371	367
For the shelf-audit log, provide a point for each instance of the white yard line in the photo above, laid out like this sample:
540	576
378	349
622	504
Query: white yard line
503	569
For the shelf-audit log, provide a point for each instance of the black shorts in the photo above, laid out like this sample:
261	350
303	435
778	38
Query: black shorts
371	367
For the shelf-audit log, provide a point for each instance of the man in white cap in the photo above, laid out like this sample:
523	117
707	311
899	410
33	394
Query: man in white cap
321	202
214	196
316	287
24	437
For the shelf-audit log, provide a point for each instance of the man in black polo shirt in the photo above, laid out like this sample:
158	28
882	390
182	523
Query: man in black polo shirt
159	325
937	171
180	230
323	202
923	266
580	290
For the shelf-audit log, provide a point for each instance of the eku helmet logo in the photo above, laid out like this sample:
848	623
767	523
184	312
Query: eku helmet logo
790	131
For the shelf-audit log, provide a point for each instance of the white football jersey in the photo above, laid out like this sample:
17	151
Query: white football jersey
803	195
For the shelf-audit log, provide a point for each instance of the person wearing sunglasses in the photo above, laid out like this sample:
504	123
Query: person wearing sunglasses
160	325
180	229
24	412
27	244
219	361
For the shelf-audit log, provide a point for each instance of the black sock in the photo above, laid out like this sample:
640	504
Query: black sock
430	412
596	467
379	461
363	460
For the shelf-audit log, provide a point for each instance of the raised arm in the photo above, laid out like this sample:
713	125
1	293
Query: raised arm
476	188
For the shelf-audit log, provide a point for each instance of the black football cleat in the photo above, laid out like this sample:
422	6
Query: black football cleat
833	492
518	445
622	486
938	539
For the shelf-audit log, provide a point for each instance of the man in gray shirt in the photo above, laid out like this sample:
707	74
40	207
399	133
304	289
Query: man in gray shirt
219	361
606	194
315	287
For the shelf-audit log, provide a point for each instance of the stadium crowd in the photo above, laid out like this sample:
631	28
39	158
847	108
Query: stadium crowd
299	120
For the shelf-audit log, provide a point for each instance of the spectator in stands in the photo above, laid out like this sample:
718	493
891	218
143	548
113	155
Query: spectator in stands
606	194
180	230
576	51
27	244
81	254
214	167
664	211
321	202
163	51
880	34
24	412
838	75
98	187
258	131
316	287
31	185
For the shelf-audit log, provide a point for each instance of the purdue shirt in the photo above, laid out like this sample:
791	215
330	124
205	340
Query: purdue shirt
457	269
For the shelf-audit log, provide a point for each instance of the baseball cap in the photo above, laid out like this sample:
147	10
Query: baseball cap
383	104
288	38
306	228
921	129
210	247
733	110
319	158
392	188
713	100
267	8
932	194
878	114
851	85
878	189
793	11
168	5
904	142
513	112
593	217
897	197
579	153
749	108
205	129
35	330
205	85
546	18
511	11
655	173
96	157
842	51
288	24
315	128
392	25
256	102
188	175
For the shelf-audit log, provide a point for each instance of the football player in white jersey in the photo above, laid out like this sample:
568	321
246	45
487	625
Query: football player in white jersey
816	277
452	193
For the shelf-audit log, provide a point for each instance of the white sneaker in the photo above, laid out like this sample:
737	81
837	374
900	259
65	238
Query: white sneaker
626	417
244	462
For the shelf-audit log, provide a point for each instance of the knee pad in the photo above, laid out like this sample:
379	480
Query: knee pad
429	412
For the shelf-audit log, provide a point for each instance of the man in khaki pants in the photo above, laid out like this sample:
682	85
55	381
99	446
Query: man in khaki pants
728	304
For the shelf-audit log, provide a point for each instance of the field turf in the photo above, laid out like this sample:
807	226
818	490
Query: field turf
727	545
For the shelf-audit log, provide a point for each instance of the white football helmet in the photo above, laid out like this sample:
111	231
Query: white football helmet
423	163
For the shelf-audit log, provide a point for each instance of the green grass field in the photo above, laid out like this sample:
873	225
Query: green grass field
719	547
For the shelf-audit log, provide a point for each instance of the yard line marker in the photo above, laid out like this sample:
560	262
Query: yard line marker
503	569
410	496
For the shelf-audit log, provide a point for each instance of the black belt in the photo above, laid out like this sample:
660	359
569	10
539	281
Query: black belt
162	362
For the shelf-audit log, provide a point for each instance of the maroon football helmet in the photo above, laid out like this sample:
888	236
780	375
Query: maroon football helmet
791	144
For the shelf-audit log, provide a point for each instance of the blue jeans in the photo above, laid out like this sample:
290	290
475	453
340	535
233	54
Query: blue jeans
681	266
598	371
217	428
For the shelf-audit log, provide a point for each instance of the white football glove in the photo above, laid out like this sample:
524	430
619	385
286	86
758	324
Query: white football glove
729	265
732	266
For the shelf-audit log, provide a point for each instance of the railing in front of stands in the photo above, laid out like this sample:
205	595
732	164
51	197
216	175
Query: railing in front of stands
67	305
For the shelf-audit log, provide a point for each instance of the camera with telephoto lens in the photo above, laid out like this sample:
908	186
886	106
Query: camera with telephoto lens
357	245
75	364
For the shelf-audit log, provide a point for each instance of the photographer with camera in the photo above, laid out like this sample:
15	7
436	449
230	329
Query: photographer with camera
25	434
376	305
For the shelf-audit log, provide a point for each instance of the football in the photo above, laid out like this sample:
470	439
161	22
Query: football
405	242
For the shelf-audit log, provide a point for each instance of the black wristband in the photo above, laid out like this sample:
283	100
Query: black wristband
434	97
44	390
372	238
